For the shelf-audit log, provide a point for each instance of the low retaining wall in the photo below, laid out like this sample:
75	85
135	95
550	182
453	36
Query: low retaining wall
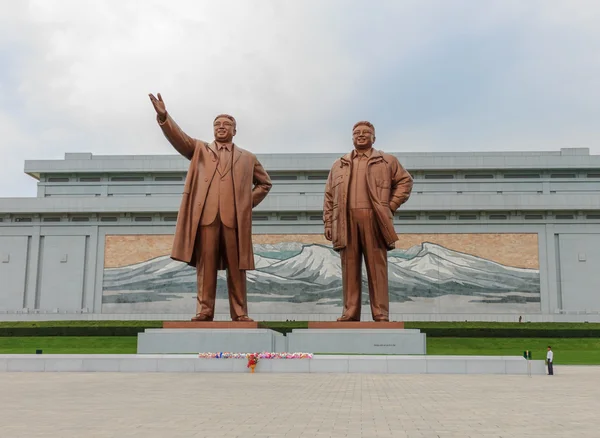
318	364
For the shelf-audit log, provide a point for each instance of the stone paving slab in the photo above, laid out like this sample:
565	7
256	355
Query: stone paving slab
149	405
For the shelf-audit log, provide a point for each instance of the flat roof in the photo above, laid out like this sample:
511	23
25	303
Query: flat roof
567	158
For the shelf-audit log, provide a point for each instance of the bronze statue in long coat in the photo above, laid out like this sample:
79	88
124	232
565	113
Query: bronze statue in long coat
214	225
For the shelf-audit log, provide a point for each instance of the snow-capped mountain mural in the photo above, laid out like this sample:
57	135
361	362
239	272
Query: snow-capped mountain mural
311	275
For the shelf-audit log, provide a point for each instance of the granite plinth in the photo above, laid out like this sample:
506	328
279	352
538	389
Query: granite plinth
207	340
355	325
358	341
157	363
211	324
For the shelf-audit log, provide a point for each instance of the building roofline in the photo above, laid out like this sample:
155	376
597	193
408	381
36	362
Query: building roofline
575	158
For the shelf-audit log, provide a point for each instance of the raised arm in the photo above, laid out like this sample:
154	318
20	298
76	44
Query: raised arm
262	183
402	184
183	143
328	207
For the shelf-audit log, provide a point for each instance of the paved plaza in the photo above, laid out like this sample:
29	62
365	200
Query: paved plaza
300	405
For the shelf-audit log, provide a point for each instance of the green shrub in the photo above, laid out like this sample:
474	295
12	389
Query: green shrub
69	331
509	333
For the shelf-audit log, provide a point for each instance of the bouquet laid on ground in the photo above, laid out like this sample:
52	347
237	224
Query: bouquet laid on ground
252	361
263	355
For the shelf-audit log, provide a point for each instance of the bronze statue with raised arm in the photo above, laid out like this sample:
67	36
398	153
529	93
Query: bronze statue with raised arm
214	225
364	189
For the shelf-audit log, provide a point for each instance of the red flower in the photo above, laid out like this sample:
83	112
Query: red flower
252	360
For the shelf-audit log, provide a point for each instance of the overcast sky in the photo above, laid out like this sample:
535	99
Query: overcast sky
447	75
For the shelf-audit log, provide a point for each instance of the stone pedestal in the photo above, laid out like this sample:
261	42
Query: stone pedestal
185	337
209	340
357	341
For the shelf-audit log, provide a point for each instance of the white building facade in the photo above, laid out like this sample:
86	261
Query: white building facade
484	236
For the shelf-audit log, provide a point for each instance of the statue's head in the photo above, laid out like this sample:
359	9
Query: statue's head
224	128
363	135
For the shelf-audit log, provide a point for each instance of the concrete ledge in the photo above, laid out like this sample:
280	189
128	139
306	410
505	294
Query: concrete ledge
159	363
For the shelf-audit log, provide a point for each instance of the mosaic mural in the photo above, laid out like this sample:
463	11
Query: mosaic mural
301	274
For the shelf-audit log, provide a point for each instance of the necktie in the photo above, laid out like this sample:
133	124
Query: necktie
223	155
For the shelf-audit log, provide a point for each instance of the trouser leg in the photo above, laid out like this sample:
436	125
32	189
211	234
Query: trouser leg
207	258
351	258
375	254
236	278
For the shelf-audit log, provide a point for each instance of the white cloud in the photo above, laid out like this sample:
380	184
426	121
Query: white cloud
86	68
97	61
76	75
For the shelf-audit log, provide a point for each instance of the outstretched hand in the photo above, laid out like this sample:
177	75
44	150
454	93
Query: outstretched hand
159	106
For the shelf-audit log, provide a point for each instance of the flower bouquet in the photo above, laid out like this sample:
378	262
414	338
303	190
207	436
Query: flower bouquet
257	356
252	361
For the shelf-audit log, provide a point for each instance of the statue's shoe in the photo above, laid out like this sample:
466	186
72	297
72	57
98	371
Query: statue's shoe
201	317
243	318
345	318
381	318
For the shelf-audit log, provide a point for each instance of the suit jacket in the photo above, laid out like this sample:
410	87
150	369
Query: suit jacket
220	198
389	186
251	185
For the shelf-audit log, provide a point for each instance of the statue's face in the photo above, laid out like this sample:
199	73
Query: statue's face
363	137
224	129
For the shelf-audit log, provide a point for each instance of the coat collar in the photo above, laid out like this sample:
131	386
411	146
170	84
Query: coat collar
368	154
237	152
375	156
213	148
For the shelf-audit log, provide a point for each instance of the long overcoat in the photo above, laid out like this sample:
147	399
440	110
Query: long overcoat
251	185
389	186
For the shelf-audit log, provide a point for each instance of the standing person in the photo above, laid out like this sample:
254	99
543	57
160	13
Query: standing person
550	360
214	225
364	189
